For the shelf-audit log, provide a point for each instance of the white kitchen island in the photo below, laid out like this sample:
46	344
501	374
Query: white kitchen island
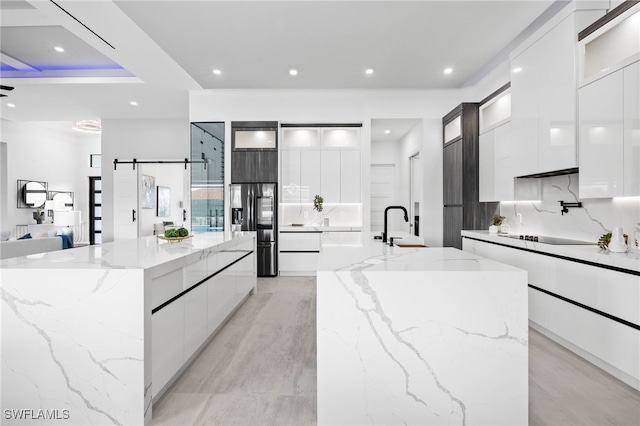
420	336
93	335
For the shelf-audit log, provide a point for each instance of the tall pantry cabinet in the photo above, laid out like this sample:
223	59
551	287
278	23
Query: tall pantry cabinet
462	208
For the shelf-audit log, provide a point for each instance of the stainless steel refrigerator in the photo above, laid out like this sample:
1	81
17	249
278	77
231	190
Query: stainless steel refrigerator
254	208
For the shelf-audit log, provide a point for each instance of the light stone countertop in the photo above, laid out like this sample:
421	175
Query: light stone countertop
590	253
137	253
420	336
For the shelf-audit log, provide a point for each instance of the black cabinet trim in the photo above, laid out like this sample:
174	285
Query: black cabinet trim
588	308
558	256
299	251
199	283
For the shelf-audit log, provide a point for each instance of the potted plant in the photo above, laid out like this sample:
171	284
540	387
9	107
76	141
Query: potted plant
317	203
496	221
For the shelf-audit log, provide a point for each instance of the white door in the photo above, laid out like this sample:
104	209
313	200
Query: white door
382	184
125	203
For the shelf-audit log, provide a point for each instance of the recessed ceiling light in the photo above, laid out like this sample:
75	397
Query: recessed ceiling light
217	72
448	70
59	49
517	69
369	71
133	103
10	105
293	72
386	132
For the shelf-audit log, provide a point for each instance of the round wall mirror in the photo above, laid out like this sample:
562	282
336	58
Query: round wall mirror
63	201
34	194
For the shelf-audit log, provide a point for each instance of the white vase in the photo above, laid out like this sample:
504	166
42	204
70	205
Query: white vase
617	244
493	229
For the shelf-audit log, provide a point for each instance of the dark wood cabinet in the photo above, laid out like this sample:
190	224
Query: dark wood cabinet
453	217
254	166
452	184
460	157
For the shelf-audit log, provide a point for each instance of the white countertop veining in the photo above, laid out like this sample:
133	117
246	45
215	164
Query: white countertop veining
420	336
137	253
589	253
373	255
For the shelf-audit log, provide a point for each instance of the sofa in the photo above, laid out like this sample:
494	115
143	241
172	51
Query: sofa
15	248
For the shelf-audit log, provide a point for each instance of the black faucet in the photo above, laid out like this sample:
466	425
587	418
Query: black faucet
406	219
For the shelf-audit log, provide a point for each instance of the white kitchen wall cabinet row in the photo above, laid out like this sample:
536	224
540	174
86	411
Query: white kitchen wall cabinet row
604	329
610	135
544	98
324	162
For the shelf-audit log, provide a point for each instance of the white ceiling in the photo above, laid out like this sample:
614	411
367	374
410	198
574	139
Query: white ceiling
154	52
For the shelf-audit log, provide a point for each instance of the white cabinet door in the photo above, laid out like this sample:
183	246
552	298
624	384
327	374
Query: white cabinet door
524	110
601	137
350	180
330	175
290	176
309	175
486	166
167	347
495	171
632	130
503	167
195	319
557	98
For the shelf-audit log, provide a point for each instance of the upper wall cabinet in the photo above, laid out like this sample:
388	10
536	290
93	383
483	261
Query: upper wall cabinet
610	135
611	43
609	105
544	98
320	160
494	167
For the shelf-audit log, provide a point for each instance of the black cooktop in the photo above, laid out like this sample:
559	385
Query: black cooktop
550	240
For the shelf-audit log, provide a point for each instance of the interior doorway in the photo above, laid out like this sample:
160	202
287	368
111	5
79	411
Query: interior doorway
382	186
416	186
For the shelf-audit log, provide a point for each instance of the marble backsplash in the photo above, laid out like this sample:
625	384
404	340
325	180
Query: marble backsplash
338	214
596	217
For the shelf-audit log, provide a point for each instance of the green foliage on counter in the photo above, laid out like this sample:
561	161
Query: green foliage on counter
175	233
605	239
317	203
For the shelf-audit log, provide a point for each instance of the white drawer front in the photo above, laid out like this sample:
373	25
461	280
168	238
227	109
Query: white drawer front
298	262
299	241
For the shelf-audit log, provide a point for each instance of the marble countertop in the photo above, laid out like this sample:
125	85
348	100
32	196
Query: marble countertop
590	253
137	253
373	255
319	228
420	336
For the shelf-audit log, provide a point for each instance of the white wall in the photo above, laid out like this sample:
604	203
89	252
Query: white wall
142	139
335	106
49	152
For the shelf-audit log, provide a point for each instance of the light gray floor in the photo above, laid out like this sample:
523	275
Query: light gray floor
261	369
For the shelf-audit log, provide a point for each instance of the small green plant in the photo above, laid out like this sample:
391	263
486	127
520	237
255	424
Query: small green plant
497	220
317	203
605	239
175	233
